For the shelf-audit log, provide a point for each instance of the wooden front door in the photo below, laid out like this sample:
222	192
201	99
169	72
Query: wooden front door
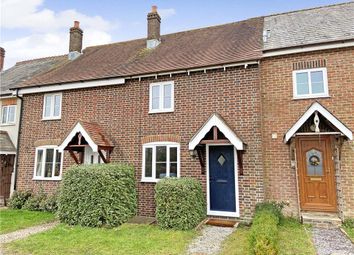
6	168
316	174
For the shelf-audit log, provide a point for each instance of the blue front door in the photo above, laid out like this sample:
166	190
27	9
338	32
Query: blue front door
222	178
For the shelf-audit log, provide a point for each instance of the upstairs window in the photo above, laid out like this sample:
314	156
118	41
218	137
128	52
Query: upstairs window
8	114
310	83
160	160
48	164
162	97
52	106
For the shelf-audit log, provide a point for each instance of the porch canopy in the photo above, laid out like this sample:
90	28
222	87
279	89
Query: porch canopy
85	134
6	145
216	131
318	120
218	123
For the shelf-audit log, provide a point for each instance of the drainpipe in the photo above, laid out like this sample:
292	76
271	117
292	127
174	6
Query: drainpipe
18	138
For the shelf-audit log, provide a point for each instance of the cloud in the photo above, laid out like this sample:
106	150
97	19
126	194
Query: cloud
166	13
46	31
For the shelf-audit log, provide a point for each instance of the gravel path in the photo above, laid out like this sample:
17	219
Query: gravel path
23	233
331	242
209	242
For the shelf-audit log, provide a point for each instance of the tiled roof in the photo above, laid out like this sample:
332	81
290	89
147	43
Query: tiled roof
229	43
6	144
312	26
96	133
25	70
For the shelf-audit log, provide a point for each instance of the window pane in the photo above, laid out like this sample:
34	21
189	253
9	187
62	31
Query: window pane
155	103
4	114
39	162
167	95
317	82
155	97
57	163
56	105
173	154
47	106
148	162
173	169
48	167
314	163
11	113
160	153
160	170
302	84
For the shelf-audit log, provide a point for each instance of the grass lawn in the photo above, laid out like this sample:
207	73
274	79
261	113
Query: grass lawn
293	239
11	220
126	239
350	232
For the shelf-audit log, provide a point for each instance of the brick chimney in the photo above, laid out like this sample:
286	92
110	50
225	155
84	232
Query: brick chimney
153	26
2	58
75	43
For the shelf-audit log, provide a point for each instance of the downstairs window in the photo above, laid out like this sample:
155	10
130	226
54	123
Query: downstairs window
48	163
160	160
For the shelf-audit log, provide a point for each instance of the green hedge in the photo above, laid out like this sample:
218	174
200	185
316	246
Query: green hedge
180	203
18	199
97	195
263	238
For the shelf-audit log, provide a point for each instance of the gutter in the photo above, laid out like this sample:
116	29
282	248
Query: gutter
18	139
121	80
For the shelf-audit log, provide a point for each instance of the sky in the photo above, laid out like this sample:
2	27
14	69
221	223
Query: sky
40	28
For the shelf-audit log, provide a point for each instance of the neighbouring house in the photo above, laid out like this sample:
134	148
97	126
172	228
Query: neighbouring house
307	88
10	106
253	109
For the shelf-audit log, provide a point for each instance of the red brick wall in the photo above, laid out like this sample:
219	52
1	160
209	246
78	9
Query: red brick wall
280	112
123	112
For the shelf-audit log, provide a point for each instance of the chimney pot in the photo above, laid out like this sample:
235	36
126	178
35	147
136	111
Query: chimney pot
2	58
154	9
75	43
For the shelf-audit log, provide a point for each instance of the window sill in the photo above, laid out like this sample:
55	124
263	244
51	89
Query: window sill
310	97
7	124
161	111
46	119
150	180
45	179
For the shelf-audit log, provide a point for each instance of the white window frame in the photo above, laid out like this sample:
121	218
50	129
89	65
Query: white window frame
161	108
51	116
311	95
53	178
153	145
7	122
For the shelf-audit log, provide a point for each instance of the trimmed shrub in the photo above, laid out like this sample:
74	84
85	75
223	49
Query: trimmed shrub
50	203
263	238
180	203
34	202
18	199
97	195
273	207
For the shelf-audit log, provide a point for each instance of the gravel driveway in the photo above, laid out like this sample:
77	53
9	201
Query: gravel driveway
331	242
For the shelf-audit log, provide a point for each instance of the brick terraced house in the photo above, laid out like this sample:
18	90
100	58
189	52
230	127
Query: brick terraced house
10	107
257	109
